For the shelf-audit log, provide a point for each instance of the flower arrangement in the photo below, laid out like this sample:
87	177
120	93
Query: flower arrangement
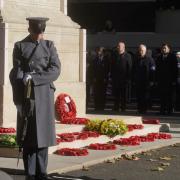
113	127
110	127
93	125
8	140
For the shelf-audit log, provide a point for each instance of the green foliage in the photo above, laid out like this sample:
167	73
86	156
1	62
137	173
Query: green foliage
8	140
110	127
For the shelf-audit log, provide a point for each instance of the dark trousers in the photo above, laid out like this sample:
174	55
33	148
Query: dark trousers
142	98
166	99
35	161
120	96
178	96
99	95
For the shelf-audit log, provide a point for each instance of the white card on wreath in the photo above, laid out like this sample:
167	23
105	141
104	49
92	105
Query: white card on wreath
67	99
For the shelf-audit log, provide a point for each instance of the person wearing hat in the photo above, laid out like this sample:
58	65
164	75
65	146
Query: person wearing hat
35	66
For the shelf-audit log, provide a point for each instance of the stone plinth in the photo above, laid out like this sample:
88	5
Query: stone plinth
67	37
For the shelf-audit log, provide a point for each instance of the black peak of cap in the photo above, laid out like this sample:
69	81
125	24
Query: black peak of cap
37	19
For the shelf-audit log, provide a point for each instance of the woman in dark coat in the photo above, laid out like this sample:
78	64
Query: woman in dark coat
35	60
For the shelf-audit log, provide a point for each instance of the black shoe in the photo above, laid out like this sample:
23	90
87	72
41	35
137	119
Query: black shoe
43	177
30	178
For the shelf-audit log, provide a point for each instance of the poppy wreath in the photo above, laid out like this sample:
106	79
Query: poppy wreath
7	130
74	121
132	141
66	110
65	107
132	127
98	146
151	121
72	152
136	140
70	137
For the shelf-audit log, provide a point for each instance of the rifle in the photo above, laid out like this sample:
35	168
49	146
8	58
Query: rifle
25	114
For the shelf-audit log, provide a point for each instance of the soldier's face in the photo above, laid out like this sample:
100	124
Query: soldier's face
36	36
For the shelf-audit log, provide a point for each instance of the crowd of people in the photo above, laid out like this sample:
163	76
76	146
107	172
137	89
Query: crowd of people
141	72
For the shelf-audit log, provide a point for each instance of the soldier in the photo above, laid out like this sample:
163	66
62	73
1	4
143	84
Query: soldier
144	69
36	65
166	76
121	74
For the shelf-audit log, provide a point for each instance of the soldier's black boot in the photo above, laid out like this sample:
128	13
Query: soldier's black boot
43	177
30	178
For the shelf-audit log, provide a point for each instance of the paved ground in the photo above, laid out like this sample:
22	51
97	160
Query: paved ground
145	168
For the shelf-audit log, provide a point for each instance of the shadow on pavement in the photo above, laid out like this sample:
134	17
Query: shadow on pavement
56	176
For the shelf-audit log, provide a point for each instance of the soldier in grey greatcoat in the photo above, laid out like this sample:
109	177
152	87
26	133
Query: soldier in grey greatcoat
35	60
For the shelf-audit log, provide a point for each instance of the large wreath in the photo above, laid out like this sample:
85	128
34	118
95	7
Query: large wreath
65	107
66	110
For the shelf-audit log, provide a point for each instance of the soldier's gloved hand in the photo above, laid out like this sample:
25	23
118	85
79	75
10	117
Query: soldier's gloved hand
26	78
19	109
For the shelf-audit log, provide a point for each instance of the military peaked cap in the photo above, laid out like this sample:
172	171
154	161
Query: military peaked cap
37	24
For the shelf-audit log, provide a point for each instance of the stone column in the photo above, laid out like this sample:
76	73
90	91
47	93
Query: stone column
63	6
61	29
82	55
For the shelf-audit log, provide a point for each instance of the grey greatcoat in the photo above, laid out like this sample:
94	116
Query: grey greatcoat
45	65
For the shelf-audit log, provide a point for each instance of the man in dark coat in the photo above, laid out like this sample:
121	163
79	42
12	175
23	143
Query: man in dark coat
144	72
178	83
35	60
166	76
100	70
121	74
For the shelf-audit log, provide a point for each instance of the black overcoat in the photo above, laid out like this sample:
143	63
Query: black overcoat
45	66
166	70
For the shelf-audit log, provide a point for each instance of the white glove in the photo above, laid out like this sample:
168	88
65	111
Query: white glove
26	78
